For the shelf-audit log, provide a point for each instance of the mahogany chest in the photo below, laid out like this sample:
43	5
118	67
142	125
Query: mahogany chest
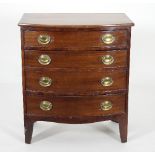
75	68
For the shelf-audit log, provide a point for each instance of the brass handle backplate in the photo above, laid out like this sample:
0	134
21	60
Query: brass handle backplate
107	81
45	105
108	38
44	39
107	59
106	105
45	81
44	59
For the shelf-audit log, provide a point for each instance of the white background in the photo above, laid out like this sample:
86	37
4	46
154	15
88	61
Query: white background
102	136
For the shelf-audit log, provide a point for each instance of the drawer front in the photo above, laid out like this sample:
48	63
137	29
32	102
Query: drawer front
73	82
75	106
64	59
47	40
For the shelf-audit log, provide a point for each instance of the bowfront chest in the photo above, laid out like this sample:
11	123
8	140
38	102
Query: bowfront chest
75	69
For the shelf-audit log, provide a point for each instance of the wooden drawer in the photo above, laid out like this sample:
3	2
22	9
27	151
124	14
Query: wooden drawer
70	59
93	40
75	82
75	106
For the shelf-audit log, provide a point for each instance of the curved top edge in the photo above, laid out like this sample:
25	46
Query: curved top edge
77	20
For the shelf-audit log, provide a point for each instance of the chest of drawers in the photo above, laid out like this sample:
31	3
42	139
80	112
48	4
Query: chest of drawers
75	69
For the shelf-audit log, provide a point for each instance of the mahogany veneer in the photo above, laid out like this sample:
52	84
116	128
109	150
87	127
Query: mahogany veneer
75	69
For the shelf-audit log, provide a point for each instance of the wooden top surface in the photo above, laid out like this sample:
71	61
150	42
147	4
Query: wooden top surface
74	19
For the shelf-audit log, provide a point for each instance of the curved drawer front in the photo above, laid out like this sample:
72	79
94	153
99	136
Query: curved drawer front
66	59
75	82
75	106
78	40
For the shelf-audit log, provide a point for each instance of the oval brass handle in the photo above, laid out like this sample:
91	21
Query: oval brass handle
107	81
44	59
45	105
106	105
108	38
45	81
44	39
107	59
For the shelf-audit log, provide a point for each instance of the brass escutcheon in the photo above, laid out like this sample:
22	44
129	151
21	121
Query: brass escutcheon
45	105
107	59
44	39
44	59
107	81
45	81
108	38
106	105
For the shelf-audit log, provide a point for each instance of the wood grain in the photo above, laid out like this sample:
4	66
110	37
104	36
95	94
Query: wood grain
75	82
69	20
79	40
75	106
73	59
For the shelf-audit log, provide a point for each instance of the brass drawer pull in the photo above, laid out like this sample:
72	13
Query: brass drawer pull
44	39
106	105
45	81
107	81
107	59
44	59
108	38
45	105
